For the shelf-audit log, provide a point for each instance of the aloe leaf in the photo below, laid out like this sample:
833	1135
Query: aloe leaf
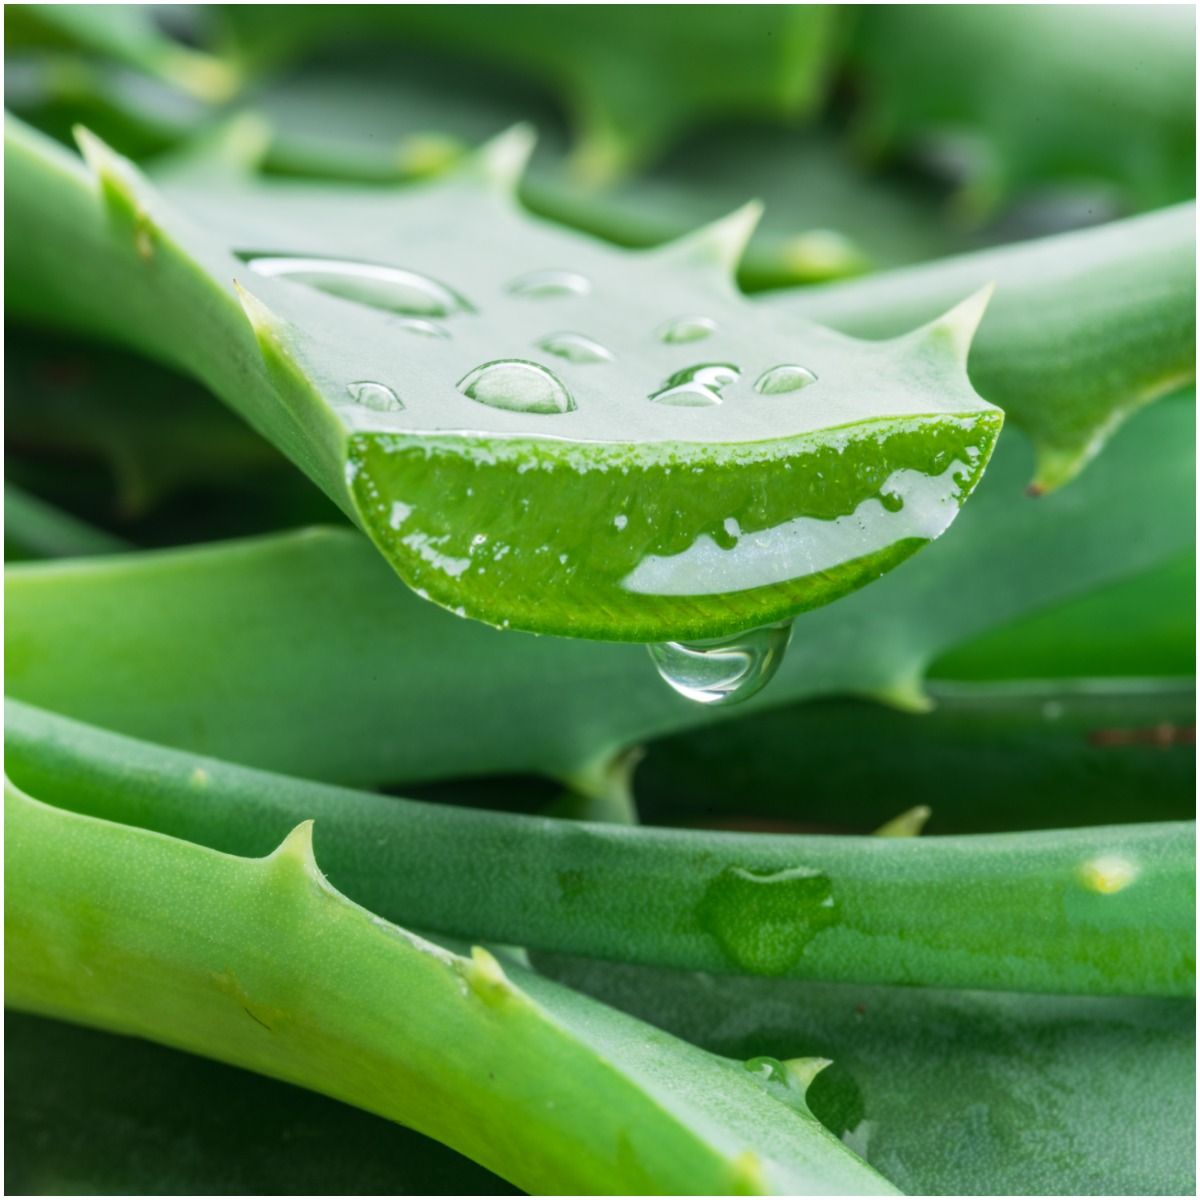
630	85
94	1113
810	499
1051	911
404	692
1030	748
126	33
1008	100
956	1093
1084	328
260	962
35	529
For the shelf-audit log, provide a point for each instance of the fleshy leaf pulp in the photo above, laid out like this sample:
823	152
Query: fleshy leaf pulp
399	356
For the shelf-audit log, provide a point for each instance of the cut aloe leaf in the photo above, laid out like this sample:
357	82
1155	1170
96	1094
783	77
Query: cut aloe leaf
1085	327
262	963
404	692
420	355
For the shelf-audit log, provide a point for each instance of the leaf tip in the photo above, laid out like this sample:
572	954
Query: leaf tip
719	244
501	162
802	1071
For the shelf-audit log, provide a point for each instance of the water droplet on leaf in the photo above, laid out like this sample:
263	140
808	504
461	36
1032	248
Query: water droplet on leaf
725	670
786	378
540	285
517	385
698	386
575	347
765	920
391	289
422	328
687	329
375	396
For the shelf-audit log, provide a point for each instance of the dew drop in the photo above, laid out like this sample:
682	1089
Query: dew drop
786	378
391	289
763	921
575	347
687	329
517	385
725	670
769	1069
542	285
698	386
892	501
375	396
422	328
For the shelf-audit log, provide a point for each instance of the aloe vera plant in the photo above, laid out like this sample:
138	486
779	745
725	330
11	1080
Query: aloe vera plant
908	908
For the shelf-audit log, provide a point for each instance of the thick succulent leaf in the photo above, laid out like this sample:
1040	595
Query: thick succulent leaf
631	85
96	1114
260	962
957	1093
1084	328
556	377
404	692
1141	626
1107	910
1011	99
1039	754
35	529
126	33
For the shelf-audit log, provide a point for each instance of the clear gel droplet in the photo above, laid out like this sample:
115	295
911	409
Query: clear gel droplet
726	670
377	396
698	386
687	329
786	378
542	285
575	347
391	289
517	385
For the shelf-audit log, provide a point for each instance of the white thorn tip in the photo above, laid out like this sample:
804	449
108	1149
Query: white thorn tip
504	158
720	243
962	321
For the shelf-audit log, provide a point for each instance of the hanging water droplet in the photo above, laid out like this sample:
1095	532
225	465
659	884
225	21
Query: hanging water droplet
687	329
422	328
892	501
726	670
789	377
698	386
389	288
376	396
541	285
517	385
575	347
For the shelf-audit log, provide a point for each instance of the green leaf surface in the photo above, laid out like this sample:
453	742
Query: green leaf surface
956	1093
404	692
1038	754
1105	910
630	85
1008	99
35	529
126	33
705	495
260	962
1084	328
93	1113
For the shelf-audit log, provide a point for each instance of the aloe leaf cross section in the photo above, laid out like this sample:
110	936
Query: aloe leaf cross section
537	430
